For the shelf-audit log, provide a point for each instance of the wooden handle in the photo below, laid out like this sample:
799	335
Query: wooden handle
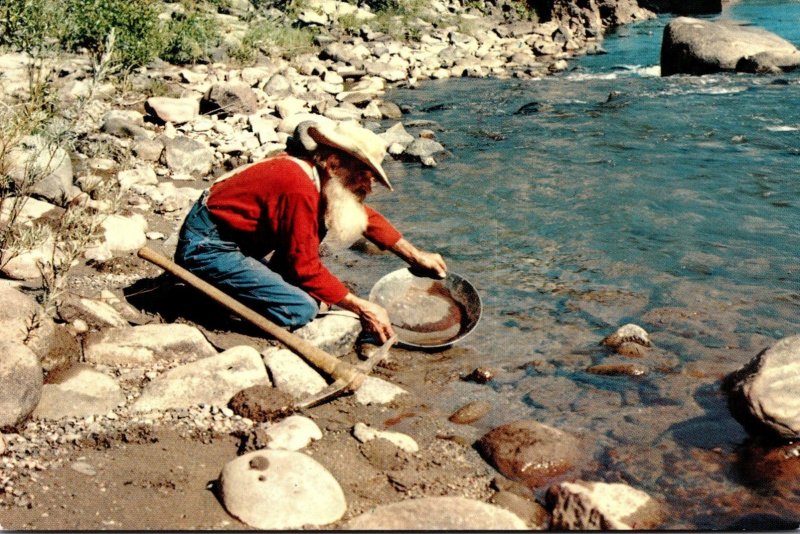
332	366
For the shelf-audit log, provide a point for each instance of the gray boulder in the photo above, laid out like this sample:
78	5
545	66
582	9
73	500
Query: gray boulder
184	155
143	345
174	110
79	392
212	380
225	99
529	451
584	505
41	169
694	46
437	513
764	395
274	489
21	382
334	334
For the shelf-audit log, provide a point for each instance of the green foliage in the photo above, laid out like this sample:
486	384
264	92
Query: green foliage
190	37
31	26
275	39
138	30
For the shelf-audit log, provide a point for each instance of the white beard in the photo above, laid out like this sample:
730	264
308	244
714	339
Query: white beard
345	217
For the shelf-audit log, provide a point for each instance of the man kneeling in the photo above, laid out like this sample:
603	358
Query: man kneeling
286	205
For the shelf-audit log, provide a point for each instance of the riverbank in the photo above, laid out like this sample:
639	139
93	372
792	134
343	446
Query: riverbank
130	469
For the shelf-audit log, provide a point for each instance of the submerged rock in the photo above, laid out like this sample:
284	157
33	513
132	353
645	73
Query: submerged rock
764	395
530	451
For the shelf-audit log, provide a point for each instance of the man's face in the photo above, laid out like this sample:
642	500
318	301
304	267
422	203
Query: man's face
354	175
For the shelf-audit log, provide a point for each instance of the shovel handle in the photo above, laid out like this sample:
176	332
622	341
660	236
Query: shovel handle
334	367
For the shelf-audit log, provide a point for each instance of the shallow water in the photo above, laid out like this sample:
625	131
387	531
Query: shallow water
607	195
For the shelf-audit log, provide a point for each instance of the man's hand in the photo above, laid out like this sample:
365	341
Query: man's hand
427	262
374	318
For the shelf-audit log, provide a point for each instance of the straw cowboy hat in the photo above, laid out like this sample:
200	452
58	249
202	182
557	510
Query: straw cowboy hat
348	137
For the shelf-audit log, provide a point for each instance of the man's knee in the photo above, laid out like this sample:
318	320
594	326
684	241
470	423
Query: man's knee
299	313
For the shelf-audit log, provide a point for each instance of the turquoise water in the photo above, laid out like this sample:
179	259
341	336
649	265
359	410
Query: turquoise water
673	203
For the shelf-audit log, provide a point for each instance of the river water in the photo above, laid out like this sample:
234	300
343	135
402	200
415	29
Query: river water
607	195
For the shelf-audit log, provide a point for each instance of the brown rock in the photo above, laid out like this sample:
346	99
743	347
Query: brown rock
480	375
530	451
261	403
617	369
631	350
530	511
469	413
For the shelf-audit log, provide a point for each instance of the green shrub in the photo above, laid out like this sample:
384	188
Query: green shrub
275	39
31	26
190	37
137	28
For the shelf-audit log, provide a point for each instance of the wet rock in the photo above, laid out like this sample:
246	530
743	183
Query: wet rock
142	345
627	333
293	433
280	490
213	380
631	349
21	382
397	134
773	467
292	374
469	413
599	506
226	99
763	395
42	169
174	110
423	148
695	46
617	369
79	392
480	375
530	451
437	513
184	155
377	391
530	511
261	403
364	433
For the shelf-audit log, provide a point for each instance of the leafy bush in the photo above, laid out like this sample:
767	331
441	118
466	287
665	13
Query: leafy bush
273	38
31	26
190	37
137	28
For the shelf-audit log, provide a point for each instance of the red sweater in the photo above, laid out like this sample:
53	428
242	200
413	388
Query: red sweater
274	206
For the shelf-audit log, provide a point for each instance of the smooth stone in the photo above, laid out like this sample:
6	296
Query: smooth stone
212	380
293	433
364	433
272	489
469	413
81	391
292	374
173	110
377	391
145	344
437	513
125	234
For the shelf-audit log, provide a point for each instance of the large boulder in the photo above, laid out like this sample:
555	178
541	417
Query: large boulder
530	451
21	382
146	344
212	380
42	169
274	489
694	46
584	505
229	98
682	7
764	395
79	392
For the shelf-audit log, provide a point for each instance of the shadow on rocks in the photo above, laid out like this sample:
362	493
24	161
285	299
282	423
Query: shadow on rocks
172	300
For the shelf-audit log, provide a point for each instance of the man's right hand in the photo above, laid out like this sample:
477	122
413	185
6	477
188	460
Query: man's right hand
374	318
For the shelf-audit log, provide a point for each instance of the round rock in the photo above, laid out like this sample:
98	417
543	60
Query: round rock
21	382
529	451
437	513
271	489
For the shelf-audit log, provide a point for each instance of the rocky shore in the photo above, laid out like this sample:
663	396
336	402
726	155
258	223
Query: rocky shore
134	405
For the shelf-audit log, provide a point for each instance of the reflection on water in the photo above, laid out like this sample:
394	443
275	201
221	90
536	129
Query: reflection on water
618	196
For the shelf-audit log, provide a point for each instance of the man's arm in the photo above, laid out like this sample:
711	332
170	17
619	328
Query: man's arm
426	261
373	317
